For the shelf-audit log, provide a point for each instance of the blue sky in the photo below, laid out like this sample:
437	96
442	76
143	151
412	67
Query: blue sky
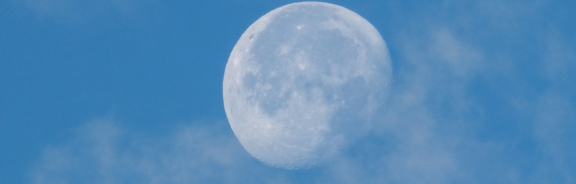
130	91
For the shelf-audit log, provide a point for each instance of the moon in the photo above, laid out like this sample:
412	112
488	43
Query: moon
303	82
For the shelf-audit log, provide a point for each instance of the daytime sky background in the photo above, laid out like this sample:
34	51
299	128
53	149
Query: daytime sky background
130	91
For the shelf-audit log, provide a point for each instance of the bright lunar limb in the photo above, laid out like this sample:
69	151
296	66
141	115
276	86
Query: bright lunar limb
303	81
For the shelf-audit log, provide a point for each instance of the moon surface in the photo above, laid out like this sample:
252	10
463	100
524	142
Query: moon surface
303	82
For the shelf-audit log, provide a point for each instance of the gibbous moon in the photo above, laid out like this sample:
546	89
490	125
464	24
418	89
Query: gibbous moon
303	81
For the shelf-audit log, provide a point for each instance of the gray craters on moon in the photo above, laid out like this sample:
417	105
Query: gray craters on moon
303	81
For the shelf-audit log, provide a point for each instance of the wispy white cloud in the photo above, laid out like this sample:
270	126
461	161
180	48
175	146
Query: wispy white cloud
421	147
102	152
